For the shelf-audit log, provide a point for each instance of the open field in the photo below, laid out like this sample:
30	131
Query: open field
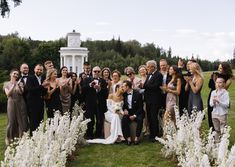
143	155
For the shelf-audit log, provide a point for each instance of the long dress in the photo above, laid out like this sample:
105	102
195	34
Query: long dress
65	97
194	100
115	120
171	101
53	104
16	113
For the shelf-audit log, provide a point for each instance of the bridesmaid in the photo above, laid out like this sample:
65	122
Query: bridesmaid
76	90
53	102
172	89
106	75
65	85
16	108
194	85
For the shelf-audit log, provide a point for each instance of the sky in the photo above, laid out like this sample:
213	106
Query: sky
202	28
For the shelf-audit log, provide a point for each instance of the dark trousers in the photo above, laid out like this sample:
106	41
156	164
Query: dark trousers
99	125
35	118
89	114
152	114
210	123
126	125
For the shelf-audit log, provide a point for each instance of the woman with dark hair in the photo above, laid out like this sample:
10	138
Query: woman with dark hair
211	85
52	98
16	108
172	89
75	94
65	84
106	75
226	71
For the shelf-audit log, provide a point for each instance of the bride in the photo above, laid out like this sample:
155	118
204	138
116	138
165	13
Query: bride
113	115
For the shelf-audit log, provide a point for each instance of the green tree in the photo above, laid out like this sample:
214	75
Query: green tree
5	7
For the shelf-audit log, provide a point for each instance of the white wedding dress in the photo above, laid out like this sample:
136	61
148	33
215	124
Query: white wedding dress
115	120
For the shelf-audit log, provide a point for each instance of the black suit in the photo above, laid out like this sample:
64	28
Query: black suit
152	95
35	102
82	84
95	102
136	109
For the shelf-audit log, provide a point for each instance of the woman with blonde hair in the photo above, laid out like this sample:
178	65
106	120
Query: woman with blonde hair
194	85
52	98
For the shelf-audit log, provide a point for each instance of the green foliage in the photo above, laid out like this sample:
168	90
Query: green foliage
4	6
3	99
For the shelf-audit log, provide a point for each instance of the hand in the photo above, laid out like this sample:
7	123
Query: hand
45	83
132	117
97	87
126	112
141	85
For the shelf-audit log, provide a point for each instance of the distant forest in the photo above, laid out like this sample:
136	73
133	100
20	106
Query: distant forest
114	53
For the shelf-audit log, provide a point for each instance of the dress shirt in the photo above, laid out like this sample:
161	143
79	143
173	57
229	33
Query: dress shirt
129	99
39	79
220	108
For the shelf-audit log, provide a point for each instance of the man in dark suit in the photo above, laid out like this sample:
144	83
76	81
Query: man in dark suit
95	102
36	89
82	76
133	111
152	95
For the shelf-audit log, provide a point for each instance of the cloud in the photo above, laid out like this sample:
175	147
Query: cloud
102	23
186	31
159	30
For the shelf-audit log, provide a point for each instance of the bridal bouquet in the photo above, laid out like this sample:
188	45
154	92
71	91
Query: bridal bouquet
117	108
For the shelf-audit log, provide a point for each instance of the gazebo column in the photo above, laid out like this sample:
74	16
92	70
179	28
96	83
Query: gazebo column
73	62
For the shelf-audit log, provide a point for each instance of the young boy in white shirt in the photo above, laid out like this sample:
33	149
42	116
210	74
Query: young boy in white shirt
220	102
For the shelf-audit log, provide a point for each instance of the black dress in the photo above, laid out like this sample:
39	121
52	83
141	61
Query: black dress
53	104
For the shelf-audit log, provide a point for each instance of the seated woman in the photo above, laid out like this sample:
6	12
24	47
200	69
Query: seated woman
172	89
114	105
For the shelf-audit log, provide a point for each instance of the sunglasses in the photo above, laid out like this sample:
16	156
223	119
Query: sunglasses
96	71
129	74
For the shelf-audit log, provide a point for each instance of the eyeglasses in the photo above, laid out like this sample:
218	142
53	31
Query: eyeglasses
129	74
96	71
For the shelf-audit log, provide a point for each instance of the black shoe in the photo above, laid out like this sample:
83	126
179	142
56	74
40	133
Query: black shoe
136	142
128	142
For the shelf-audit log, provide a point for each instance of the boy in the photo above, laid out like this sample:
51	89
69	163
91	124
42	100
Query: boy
220	102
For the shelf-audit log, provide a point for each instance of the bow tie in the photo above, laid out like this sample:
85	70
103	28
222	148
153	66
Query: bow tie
25	76
129	94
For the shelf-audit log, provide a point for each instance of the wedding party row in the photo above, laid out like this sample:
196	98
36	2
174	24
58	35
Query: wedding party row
140	98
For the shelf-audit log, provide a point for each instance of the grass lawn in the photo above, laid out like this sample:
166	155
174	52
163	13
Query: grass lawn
146	154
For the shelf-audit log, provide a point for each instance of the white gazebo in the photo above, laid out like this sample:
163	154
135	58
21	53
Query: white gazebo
73	56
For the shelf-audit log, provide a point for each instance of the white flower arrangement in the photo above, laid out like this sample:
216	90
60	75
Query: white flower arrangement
50	144
191	149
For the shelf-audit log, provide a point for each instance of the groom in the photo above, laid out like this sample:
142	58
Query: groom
133	111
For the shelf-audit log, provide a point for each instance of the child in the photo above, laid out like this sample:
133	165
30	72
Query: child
220	102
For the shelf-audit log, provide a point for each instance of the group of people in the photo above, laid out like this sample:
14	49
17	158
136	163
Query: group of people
105	97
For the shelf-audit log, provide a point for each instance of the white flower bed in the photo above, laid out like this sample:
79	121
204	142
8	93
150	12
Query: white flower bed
50	144
194	151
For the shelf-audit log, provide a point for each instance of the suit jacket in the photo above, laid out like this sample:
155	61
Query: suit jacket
94	98
35	93
137	104
21	79
152	93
